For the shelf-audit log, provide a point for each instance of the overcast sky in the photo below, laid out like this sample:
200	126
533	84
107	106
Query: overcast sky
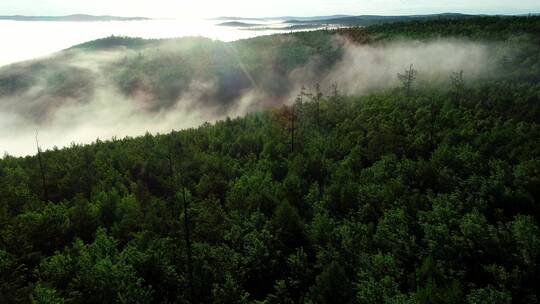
254	8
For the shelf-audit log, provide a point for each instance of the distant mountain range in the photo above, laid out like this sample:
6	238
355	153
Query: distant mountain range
315	18
297	23
365	20
281	18
226	18
238	24
346	20
71	18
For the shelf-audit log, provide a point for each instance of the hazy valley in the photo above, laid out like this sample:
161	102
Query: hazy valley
377	159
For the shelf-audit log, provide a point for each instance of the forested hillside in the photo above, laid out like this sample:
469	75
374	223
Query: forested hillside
416	194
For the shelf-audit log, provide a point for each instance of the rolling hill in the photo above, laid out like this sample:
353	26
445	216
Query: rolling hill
392	182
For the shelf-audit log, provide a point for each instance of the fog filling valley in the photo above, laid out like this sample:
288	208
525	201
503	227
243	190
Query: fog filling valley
80	95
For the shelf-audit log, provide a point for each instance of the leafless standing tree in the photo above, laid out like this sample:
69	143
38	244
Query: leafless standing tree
317	98
458	85
174	180
42	170
407	79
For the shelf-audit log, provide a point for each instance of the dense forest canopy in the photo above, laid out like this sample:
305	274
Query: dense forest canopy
425	192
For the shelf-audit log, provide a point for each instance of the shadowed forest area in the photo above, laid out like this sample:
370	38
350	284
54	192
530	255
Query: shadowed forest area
423	191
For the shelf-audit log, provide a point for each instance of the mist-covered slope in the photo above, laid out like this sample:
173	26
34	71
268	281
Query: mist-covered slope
409	196
410	174
130	86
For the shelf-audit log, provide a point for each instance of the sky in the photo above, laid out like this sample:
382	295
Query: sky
254	8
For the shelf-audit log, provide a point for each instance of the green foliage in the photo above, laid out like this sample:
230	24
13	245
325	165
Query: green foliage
489	295
94	273
44	295
478	28
331	286
384	199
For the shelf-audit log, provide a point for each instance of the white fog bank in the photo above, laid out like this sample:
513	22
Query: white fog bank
103	112
22	40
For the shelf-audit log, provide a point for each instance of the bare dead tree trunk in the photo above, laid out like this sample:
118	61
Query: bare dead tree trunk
318	97
293	118
187	231
432	127
407	79
88	179
187	236
458	85
335	91
42	170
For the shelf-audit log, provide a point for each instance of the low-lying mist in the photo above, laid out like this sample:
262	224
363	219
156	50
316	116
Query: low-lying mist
365	68
80	95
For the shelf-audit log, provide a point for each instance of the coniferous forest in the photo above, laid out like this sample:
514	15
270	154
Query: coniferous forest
419	193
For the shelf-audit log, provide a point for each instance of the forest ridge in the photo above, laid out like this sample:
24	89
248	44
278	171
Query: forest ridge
425	191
